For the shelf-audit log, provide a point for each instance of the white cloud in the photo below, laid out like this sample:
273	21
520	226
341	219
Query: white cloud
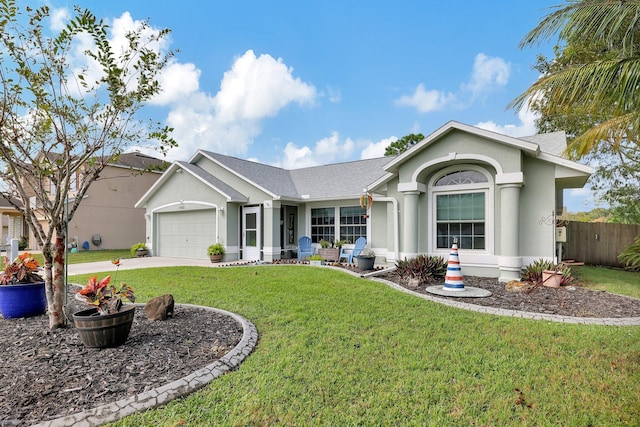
377	149
253	89
526	127
59	18
487	73
178	81
327	150
334	94
259	87
426	101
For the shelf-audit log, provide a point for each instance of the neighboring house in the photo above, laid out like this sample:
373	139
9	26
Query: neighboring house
13	224
492	192
106	217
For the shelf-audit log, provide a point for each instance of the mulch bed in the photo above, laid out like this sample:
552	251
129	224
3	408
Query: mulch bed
47	374
575	300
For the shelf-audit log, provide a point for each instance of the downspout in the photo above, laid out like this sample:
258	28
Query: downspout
396	223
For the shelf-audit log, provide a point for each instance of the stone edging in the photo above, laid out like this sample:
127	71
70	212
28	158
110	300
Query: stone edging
608	321
161	395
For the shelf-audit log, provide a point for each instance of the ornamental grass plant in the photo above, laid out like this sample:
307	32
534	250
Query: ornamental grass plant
339	350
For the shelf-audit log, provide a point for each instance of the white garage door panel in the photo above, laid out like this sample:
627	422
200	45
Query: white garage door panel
186	234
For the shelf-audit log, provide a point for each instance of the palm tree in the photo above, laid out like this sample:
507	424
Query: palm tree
605	83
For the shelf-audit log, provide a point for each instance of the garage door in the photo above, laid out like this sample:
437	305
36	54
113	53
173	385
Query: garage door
186	234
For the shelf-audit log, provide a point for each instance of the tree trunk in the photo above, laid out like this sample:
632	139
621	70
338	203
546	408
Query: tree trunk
55	284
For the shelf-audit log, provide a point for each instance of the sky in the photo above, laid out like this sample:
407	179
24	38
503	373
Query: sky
295	84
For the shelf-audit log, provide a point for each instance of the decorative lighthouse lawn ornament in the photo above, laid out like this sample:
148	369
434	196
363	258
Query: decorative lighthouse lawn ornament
453	280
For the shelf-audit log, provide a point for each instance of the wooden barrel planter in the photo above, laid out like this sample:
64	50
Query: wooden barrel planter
22	300
108	330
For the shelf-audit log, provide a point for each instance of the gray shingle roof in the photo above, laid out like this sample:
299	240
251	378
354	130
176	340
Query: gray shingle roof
333	181
339	180
140	161
552	143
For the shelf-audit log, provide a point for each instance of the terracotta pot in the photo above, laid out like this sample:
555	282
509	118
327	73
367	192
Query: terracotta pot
104	331
22	300
551	278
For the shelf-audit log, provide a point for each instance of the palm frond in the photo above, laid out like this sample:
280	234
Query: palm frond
589	20
614	130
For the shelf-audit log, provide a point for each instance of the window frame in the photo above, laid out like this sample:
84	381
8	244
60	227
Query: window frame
487	188
337	225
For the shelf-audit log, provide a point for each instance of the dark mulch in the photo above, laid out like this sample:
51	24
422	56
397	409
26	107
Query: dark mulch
46	374
575	300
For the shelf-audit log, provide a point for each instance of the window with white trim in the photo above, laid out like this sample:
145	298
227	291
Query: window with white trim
353	223
333	223
323	222
460	199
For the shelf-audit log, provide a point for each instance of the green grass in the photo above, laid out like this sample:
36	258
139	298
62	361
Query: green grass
339	350
613	280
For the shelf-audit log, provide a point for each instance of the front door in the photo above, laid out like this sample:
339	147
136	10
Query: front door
251	233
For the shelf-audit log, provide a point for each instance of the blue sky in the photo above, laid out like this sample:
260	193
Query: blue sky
295	84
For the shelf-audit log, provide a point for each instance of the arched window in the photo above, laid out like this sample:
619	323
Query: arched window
461	177
460	199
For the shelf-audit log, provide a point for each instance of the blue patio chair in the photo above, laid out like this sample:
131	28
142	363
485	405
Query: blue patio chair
357	250
304	247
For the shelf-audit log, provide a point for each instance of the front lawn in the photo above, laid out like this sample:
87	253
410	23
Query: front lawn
613	280
340	350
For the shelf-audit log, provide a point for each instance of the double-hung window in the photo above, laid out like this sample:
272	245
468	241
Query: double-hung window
460	209
353	223
323	222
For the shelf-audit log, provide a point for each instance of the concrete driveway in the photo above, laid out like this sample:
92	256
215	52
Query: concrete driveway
144	262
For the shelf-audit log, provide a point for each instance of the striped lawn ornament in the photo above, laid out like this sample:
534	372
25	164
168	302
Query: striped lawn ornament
453	279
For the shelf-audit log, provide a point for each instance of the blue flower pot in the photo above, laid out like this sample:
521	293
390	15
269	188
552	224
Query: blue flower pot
22	300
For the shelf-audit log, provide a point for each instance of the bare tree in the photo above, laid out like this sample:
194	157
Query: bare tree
69	105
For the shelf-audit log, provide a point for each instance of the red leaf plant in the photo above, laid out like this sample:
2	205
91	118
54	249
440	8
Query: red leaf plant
104	295
21	270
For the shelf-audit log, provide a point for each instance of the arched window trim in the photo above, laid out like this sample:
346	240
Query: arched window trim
486	187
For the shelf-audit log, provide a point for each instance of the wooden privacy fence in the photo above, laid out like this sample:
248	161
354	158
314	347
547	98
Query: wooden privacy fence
598	243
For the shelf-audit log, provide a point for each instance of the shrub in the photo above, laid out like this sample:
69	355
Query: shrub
216	249
425	268
533	272
631	255
23	243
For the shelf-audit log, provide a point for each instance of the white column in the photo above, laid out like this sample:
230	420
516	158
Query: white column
271	245
410	222
509	261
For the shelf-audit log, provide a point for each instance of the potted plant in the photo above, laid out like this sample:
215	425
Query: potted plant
22	292
216	252
316	260
108	322
330	251
139	250
366	260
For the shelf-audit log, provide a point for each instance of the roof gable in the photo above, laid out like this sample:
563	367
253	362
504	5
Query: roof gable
526	146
